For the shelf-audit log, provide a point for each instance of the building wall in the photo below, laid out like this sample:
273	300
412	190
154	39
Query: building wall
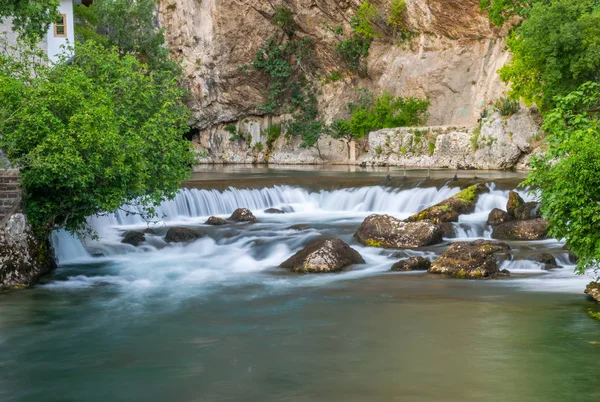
57	45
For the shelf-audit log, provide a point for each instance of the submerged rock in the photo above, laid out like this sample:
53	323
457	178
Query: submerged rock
274	211
593	290
299	226
181	235
388	232
534	229
514	201
242	215
450	209
215	221
323	256
475	260
134	238
412	264
498	217
547	260
528	211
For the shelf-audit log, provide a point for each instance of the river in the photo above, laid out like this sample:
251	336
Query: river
216	320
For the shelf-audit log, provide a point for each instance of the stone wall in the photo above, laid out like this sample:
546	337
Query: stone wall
498	143
10	194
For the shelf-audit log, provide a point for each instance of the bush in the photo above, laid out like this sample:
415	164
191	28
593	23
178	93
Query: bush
93	135
387	112
507	107
273	132
397	14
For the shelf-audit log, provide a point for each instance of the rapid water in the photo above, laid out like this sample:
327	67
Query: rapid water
244	253
216	320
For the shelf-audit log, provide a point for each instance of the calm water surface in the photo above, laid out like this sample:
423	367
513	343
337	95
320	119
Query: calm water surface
215	320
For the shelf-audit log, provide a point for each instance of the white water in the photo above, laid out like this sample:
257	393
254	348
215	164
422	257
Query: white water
248	254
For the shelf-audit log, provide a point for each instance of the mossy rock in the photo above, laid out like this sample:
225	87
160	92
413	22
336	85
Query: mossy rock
412	264
215	221
385	231
534	229
593	290
450	209
474	260
514	202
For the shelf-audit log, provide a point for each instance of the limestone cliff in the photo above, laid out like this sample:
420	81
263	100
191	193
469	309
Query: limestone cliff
452	59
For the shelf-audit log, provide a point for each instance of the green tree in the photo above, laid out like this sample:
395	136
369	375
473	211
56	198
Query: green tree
92	135
130	26
554	51
568	175
30	18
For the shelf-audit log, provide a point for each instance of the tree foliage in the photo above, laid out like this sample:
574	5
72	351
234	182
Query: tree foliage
30	18
355	48
128	25
568	175
554	51
93	135
499	11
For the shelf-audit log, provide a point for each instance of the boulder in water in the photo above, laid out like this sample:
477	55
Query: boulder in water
534	229
498	217
134	238
215	221
299	226
514	201
447	229
528	211
547	260
323	256
242	215
388	232
181	235
412	264
474	260
274	211
593	290
450	209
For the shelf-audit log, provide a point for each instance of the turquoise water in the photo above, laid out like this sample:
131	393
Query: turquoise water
216	320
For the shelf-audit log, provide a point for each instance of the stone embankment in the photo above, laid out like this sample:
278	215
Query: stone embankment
24	257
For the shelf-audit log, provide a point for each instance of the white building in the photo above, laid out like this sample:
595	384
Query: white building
61	34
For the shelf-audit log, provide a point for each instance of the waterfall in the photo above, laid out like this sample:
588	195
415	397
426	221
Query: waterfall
193	206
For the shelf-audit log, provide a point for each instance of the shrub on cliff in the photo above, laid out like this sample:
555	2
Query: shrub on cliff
92	135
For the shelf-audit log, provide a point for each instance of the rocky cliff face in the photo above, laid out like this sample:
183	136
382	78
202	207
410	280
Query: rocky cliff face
452	59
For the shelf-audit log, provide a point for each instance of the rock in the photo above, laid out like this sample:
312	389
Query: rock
215	221
149	231
475	260
388	232
593	290
24	257
447	229
528	211
323	256
412	264
181	235
300	226
514	201
242	215
547	259
450	209
274	211
534	229
134	238
498	217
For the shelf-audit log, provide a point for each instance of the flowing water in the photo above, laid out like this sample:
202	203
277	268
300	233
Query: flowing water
216	320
